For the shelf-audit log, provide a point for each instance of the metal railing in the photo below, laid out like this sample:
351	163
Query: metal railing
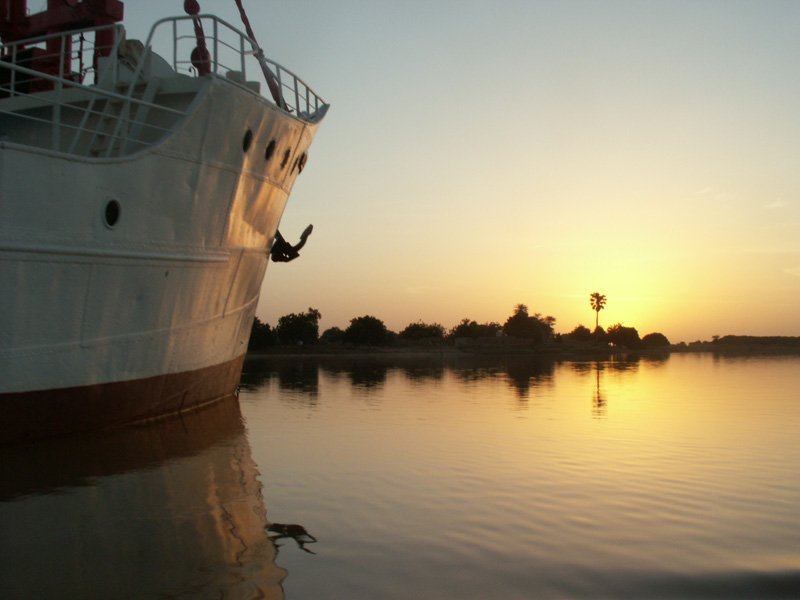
62	49
108	106
87	111
235	56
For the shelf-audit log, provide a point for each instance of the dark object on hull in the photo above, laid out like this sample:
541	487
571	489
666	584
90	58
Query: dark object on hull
283	251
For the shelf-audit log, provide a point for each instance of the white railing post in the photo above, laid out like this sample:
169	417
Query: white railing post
215	58
174	44
242	66
59	94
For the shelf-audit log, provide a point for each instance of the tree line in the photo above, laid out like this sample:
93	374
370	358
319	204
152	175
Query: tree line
301	329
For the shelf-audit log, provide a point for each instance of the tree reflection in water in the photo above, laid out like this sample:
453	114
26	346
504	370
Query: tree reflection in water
620	365
524	374
299	374
368	374
599	399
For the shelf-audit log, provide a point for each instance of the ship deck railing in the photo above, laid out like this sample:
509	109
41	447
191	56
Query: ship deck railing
91	109
235	56
113	106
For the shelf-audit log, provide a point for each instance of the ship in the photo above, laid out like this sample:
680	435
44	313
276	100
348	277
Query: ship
141	188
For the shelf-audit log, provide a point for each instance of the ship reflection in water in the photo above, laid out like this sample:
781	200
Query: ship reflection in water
171	509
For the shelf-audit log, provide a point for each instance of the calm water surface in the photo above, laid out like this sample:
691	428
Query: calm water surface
428	479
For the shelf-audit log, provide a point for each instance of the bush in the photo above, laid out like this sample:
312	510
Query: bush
627	337
333	335
523	325
580	334
655	340
300	328
367	330
422	331
473	330
262	336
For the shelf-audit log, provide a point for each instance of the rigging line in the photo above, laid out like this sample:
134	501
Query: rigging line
274	88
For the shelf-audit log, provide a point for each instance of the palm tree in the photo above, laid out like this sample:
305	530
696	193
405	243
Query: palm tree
598	303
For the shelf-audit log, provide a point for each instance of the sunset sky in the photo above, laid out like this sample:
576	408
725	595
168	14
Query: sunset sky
481	154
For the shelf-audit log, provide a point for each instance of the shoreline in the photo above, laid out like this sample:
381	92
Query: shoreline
571	351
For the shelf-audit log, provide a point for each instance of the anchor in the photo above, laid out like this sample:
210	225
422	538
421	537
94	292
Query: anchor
283	251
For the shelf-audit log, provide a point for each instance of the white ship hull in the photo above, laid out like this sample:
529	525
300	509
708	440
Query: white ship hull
130	269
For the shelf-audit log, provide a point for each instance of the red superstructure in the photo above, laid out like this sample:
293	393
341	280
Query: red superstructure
61	15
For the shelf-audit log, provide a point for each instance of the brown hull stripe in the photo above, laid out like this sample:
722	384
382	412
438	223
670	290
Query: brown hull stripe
46	413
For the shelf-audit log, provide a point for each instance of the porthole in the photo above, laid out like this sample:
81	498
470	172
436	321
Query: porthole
112	213
270	150
285	158
248	139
